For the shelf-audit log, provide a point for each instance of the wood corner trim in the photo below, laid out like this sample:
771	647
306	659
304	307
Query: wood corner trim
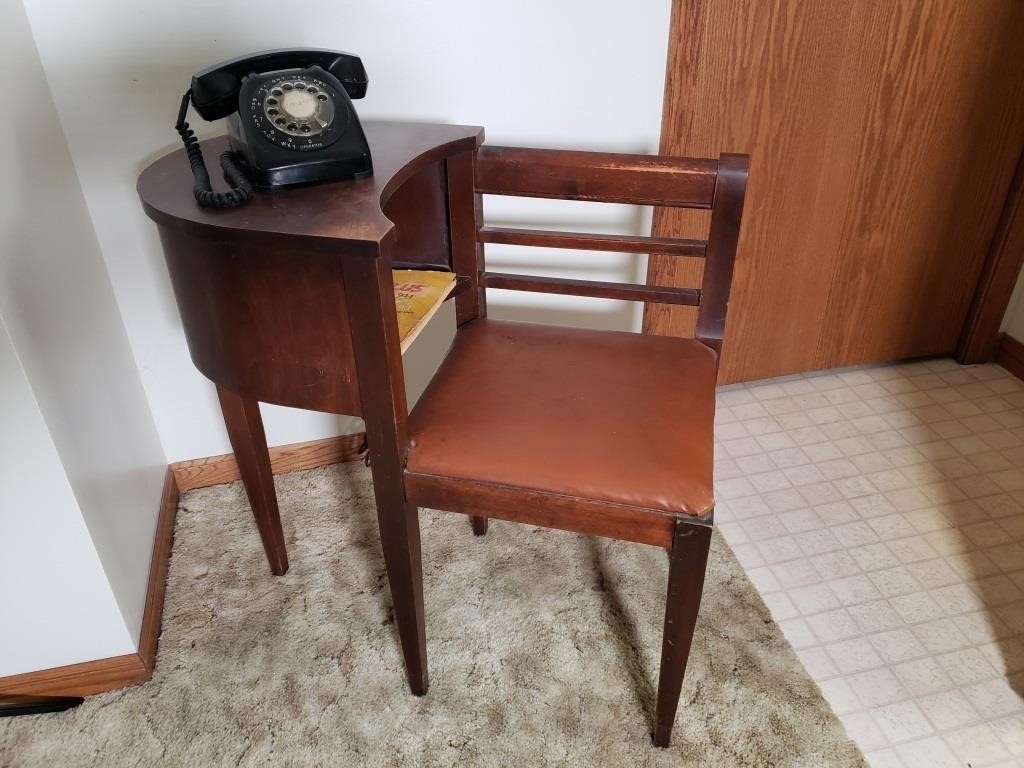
156	588
214	470
91	677
980	340
82	679
1010	355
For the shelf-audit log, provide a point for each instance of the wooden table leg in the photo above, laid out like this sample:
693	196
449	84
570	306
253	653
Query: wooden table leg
371	314
687	563
479	525
249	442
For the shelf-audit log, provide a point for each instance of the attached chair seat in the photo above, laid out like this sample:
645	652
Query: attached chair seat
611	417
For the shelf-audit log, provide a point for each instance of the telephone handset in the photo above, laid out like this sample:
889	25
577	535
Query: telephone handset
290	121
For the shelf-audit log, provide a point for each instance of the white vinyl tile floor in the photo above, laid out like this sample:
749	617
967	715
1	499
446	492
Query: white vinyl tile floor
880	512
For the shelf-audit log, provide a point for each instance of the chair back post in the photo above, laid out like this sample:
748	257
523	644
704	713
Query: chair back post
726	214
465	213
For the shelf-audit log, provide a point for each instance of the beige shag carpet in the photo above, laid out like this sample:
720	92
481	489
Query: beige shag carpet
543	651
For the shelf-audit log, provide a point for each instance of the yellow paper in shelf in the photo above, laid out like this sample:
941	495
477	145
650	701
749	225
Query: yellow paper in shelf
418	293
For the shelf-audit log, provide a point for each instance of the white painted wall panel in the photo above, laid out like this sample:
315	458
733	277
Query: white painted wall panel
56	606
60	312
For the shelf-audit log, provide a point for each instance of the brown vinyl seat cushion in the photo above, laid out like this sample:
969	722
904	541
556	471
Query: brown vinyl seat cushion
604	415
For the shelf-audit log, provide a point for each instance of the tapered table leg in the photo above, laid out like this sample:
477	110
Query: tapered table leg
687	562
249	442
371	312
479	525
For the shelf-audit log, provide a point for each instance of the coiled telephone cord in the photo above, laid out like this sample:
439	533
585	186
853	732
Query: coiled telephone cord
241	187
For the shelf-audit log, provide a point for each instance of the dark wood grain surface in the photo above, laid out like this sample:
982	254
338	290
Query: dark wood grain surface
249	442
323	216
600	289
260	288
290	300
605	176
589	241
464	213
263	320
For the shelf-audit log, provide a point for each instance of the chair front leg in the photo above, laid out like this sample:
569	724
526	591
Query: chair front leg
399	526
688	561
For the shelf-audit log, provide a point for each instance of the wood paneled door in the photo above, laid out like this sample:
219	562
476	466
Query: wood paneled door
883	137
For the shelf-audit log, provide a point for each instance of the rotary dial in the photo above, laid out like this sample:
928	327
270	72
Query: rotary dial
298	108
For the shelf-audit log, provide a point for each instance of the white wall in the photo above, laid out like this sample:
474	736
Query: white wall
574	74
1013	321
59	310
56	606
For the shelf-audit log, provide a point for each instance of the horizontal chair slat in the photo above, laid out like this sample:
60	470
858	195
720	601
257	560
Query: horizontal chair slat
592	242
598	176
658	294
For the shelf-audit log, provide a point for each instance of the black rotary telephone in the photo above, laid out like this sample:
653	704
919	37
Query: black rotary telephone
290	121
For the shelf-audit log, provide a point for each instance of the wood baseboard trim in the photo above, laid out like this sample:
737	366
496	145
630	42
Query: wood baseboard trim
1010	355
91	677
214	470
83	679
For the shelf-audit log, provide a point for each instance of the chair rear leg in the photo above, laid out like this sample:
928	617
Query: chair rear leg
687	563
479	525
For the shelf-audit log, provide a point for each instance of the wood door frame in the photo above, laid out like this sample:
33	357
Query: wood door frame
980	336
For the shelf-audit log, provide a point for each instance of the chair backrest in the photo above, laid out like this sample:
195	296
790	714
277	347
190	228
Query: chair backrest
655	180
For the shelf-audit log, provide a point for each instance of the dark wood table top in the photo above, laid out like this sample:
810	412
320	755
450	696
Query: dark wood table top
321	215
